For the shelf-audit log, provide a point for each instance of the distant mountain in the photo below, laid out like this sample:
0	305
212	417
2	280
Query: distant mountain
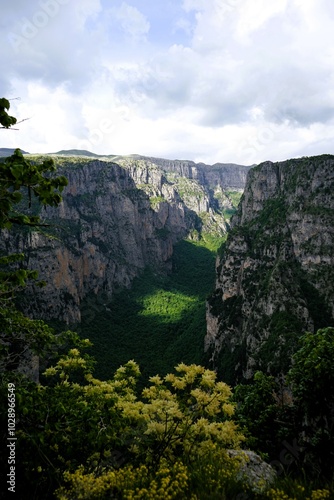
4	152
226	176
77	152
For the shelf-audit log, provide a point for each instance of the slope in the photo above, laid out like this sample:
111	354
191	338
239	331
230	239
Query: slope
275	275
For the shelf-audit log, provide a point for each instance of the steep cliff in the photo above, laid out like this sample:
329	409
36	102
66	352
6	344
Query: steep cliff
275	275
219	181
115	219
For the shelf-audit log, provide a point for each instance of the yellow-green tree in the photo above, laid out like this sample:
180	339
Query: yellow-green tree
100	436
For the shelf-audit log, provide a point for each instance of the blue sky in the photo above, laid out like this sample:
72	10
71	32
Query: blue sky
239	81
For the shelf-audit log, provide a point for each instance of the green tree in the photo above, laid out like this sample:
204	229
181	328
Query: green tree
21	183
256	412
299	412
23	341
107	440
312	381
6	121
21	178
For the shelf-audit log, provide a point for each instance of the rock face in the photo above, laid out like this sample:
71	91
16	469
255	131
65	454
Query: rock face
254	472
115	219
275	275
217	182
229	176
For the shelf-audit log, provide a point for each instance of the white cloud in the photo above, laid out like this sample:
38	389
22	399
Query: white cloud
250	79
253	14
132	21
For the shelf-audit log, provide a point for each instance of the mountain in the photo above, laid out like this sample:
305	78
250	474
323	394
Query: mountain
76	152
117	218
275	274
4	152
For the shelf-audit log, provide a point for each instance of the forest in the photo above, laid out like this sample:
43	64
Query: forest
72	431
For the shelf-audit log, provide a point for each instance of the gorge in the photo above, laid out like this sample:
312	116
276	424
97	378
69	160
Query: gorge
126	217
180	274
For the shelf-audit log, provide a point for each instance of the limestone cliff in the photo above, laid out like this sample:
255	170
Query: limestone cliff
218	180
115	219
275	275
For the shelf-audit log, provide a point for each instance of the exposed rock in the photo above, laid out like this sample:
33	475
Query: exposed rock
229	176
254	472
275	276
114	220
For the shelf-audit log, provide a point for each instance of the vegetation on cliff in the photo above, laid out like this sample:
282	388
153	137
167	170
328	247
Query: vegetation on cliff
275	271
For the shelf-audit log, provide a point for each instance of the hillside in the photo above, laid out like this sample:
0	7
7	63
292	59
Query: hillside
275	274
4	152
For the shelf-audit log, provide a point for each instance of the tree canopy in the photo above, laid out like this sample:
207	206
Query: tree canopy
6	121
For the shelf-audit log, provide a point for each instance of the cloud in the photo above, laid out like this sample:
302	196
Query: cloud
252	16
133	23
244	79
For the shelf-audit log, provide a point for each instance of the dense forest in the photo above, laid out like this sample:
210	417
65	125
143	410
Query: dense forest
72	429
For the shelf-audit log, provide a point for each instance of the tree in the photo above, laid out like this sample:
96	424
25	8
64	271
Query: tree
22	182
312	375
312	381
106	441
21	178
6	121
297	414
256	412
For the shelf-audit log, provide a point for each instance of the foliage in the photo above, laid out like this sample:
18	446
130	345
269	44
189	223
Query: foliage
296	491
21	335
312	373
21	180
312	380
155	201
275	413
18	174
256	411
103	427
211	478
160	321
6	121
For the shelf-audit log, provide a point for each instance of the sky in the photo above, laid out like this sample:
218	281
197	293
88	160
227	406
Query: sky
241	81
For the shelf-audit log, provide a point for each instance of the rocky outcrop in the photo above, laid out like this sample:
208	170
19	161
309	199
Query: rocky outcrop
275	275
218	180
229	176
253	471
115	219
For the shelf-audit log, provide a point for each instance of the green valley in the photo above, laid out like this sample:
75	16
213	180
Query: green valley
160	321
